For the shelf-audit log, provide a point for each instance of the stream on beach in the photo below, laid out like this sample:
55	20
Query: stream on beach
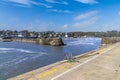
18	57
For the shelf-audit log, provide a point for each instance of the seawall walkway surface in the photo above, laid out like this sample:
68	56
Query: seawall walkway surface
102	64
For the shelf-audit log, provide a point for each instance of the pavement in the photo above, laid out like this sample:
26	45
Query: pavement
102	64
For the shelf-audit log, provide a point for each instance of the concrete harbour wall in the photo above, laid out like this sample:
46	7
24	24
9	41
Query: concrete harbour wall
109	40
43	41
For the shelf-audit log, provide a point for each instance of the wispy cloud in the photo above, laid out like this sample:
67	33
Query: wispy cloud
86	15
45	5
82	21
87	1
110	26
65	26
66	3
51	1
87	22
119	13
60	11
86	19
58	2
32	26
27	3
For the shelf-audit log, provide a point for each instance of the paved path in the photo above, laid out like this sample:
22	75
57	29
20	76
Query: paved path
103	67
92	66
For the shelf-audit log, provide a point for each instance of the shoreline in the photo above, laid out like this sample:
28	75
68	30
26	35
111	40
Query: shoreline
81	57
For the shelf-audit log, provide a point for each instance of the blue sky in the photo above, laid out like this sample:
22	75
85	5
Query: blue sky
60	15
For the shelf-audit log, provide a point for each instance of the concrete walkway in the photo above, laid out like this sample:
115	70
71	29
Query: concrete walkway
104	67
91	66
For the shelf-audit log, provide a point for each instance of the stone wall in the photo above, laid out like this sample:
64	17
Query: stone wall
109	40
50	41
44	41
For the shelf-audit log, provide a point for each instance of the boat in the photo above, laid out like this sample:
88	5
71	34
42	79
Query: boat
0	39
6	39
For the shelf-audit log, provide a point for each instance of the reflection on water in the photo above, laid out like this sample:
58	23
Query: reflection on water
17	57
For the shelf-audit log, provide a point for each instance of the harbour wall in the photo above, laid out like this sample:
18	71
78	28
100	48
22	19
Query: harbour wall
43	41
109	40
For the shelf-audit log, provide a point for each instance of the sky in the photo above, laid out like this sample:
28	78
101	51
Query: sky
60	15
